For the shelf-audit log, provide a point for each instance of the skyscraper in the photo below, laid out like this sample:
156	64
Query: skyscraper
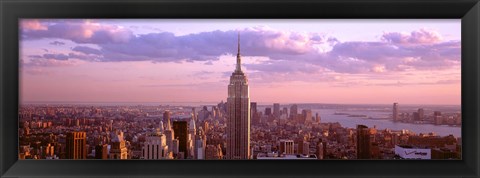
395	112
168	131
191	136
76	145
200	144
253	112
276	110
293	111
180	130
363	142
238	109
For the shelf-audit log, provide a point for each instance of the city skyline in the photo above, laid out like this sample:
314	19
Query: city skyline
125	61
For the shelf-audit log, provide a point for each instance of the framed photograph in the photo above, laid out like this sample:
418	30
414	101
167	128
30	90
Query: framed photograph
237	89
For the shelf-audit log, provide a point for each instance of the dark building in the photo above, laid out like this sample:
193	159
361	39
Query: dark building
293	111
363	142
101	152
443	153
180	132
253	107
416	116
76	145
268	111
325	151
432	141
253	113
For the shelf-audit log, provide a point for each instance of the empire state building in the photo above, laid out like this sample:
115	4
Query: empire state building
238	110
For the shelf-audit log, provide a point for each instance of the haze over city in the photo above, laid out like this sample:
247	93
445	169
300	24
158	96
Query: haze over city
286	61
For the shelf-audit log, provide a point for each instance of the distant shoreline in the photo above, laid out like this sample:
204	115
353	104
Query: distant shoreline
209	103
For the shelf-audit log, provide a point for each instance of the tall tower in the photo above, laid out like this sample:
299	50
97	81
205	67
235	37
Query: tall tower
191	138
364	143
180	132
276	110
395	112
293	111
168	131
238	110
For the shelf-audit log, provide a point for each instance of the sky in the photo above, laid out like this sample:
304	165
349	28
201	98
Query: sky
415	61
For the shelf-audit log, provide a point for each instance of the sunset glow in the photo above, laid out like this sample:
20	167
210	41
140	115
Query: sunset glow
286	61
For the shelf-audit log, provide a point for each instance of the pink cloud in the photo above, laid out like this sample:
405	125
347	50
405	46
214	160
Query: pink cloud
79	31
27	25
289	52
283	42
422	36
41	62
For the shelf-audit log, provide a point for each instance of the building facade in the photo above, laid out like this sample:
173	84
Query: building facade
76	145
119	148
155	146
238	109
364	142
180	130
168	132
287	147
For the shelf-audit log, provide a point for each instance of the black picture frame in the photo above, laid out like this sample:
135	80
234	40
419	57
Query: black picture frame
467	10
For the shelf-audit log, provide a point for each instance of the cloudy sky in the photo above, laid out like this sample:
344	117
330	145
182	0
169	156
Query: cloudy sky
286	61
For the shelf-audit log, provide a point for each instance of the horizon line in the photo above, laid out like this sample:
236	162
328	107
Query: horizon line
210	102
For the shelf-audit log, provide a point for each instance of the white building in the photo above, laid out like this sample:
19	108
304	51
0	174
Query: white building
409	152
155	146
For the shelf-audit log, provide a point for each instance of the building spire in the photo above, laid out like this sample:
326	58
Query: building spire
238	53
239	60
